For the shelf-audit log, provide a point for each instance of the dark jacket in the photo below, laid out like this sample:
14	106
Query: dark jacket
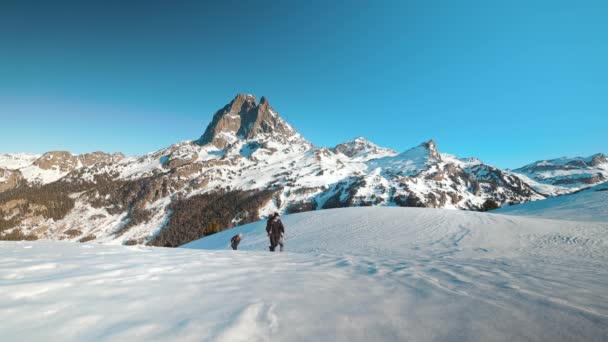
275	228
234	242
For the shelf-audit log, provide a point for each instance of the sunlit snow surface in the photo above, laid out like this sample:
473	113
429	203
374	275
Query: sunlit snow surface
356	274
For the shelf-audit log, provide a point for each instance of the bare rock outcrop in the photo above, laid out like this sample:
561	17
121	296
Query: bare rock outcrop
244	118
58	160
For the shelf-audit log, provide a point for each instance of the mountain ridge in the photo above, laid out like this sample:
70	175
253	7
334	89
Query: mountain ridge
248	163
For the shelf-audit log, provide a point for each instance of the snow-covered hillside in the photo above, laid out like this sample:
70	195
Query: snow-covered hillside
590	204
13	161
565	175
355	274
50	166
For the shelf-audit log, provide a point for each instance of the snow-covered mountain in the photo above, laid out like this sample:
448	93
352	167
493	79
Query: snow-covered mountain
244	119
361	150
17	160
565	175
248	163
49	167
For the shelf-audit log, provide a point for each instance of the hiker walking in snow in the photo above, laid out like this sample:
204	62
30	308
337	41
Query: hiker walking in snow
234	242
276	231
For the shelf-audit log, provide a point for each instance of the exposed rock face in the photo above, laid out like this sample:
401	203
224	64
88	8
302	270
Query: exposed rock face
586	179
89	159
227	121
243	118
9	179
361	149
598	159
180	155
432	147
57	160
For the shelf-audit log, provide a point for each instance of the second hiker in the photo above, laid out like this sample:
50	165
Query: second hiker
276	231
234	242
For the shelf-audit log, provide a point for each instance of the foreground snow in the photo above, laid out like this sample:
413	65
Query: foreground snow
355	274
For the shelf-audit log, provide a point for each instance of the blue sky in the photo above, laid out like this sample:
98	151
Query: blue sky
509	82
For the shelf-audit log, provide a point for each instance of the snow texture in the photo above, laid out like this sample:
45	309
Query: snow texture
355	274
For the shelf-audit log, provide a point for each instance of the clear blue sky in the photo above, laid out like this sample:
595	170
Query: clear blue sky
509	82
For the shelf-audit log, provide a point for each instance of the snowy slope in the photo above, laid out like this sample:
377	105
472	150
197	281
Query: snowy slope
406	232
26	165
565	175
359	274
361	149
54	165
14	161
410	162
590	204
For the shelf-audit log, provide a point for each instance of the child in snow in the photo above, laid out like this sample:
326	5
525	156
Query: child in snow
234	242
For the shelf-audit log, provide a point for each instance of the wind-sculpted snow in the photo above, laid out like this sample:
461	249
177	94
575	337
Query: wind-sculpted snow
357	274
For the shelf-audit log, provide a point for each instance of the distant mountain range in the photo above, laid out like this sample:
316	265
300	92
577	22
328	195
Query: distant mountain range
248	163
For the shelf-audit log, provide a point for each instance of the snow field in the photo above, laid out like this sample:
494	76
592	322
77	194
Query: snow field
356	274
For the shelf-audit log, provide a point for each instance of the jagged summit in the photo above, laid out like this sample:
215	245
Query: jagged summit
361	149
598	159
245	118
426	150
432	148
410	162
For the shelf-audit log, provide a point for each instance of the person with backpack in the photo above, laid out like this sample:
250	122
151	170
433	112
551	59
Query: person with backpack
275	231
234	242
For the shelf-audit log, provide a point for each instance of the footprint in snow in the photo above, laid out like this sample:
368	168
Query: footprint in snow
256	322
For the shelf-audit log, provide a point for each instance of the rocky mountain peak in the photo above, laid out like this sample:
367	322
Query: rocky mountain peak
244	118
241	100
263	101
427	150
598	159
89	159
362	149
432	148
58	160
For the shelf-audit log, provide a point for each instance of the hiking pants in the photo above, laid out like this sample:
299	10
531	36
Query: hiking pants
274	241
